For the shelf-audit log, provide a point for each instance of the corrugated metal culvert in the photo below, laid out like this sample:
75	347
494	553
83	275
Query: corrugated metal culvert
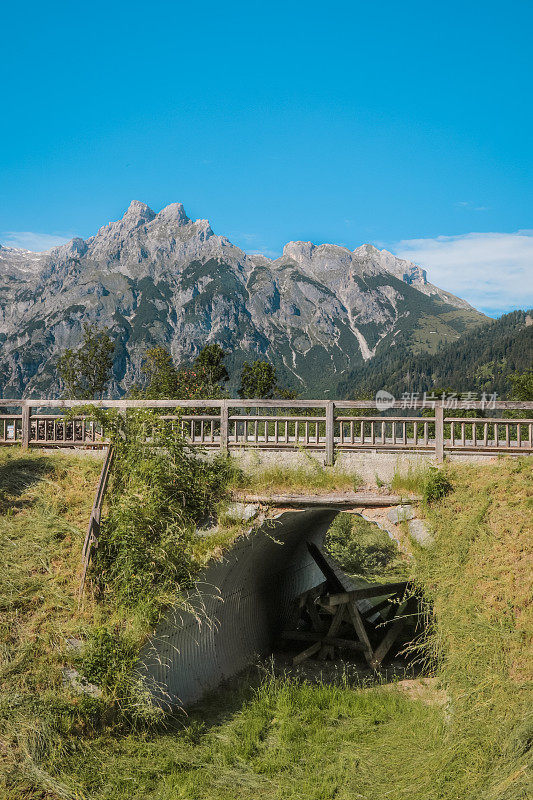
237	609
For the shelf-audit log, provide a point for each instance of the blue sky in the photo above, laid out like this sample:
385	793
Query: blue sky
405	124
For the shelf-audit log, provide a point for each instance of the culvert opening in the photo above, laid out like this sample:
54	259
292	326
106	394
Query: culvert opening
277	589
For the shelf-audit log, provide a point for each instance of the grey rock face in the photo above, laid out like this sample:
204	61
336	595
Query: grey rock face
73	679
401	514
315	312
420	532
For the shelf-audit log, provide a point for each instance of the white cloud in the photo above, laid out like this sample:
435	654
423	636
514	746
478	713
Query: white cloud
273	254
29	240
492	271
471	206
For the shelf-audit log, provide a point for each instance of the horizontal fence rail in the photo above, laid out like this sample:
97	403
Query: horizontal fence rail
328	425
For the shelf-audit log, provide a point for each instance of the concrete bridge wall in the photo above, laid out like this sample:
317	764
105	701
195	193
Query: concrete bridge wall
367	464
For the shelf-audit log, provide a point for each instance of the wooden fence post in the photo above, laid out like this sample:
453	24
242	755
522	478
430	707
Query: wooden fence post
26	425
123	413
224	426
330	441
439	433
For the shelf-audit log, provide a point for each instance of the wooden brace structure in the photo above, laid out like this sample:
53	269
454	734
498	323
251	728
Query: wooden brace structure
333	619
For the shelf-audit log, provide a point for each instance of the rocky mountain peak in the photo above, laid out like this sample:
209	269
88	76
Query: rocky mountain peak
163	278
317	257
298	251
138	213
16	262
173	213
137	216
367	250
73	249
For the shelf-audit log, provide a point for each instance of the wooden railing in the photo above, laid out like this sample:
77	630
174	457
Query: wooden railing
328	425
93	530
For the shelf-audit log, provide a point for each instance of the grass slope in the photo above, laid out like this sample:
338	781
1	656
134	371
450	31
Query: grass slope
274	738
45	503
479	578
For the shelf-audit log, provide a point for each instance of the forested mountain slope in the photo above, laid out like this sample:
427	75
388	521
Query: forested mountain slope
480	360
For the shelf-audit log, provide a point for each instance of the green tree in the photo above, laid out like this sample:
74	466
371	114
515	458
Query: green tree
522	384
258	379
210	362
165	381
161	375
85	372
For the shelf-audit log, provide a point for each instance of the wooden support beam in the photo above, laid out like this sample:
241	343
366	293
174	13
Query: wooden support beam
336	622
310	636
375	590
305	654
354	500
257	402
312	610
333	580
439	434
359	626
392	634
26	426
224	426
376	609
330	434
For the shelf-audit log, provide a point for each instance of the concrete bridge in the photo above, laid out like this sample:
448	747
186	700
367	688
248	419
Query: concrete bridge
233	612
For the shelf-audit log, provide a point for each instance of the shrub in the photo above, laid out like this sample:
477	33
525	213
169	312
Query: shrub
362	549
106	655
160	490
436	486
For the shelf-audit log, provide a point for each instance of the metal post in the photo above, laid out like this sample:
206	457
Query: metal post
439	433
26	425
224	426
329	459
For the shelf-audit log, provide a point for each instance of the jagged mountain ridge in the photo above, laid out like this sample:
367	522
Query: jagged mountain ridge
165	279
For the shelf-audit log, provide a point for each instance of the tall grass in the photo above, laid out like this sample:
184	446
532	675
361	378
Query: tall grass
429	482
311	475
479	580
412	481
45	502
284	739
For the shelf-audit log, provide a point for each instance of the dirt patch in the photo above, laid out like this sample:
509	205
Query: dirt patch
425	689
341	672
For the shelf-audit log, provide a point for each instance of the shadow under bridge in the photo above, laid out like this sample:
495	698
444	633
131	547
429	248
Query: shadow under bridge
237	609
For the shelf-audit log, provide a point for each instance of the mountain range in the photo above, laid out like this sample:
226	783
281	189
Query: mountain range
318	312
